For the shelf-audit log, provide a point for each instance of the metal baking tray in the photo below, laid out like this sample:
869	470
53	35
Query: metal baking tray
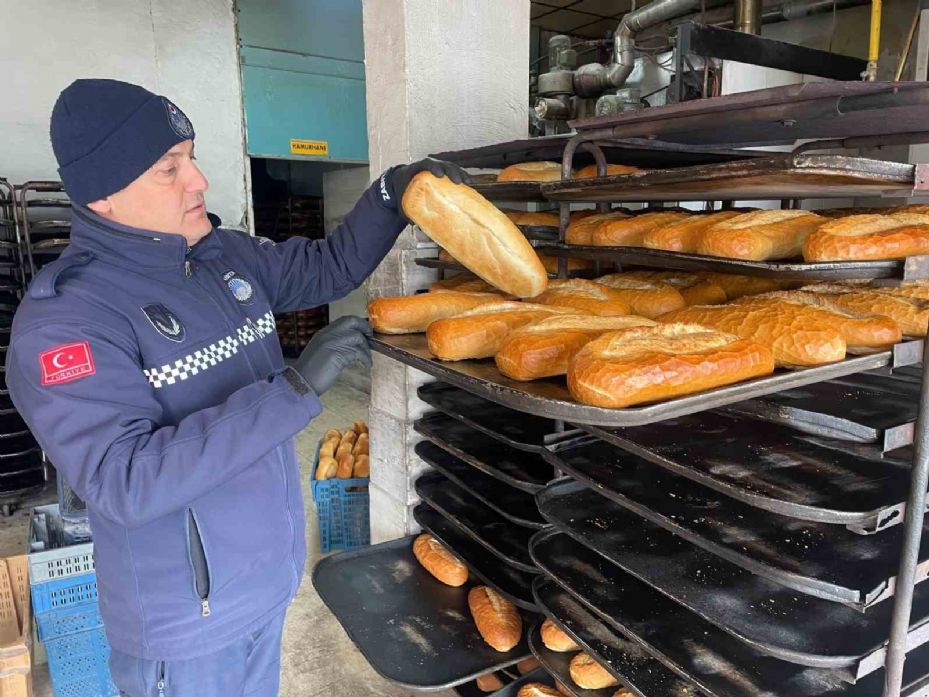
516	506
454	266
511	191
472	517
514	585
771	618
412	629
557	665
870	410
550	398
826	561
772	467
627	661
511	686
915	267
517	468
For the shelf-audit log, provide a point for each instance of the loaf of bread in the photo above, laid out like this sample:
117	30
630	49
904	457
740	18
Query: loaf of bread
797	335
589	674
327	467
894	236
360	427
736	286
346	465
684	235
531	172
540	218
649	364
410	314
588	296
906	208
694	289
527	665
345	448
328	447
362	466
555	639
646	298
863	333
463	283
488	682
349	436
574	265
590	171
630	232
907	290
537	689
332	433
361	445
478	333
476	233
497	619
545	348
911	314
439	562
581	230
760	235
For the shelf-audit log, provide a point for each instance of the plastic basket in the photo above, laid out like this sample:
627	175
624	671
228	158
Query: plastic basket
78	665
343	511
66	606
69	503
49	558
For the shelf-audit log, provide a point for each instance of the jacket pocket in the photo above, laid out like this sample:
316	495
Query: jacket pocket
198	563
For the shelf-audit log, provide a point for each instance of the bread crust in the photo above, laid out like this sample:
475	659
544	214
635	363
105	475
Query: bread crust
911	314
581	229
684	235
555	639
894	236
537	689
646	298
736	286
438	561
589	674
463	283
581	294
488	682
531	172
411	314
497	619
649	364
543	218
630	232
476	233
760	235
694	289
590	171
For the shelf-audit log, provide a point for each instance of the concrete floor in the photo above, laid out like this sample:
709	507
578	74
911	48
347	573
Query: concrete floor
318	658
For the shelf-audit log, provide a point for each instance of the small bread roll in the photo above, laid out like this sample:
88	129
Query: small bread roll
623	692
332	433
537	689
438	561
361	445
360	427
328	448
527	665
344	449
555	639
326	468
497	619
362	467
589	674
488	683
346	466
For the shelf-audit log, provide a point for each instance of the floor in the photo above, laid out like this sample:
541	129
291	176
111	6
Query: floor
318	658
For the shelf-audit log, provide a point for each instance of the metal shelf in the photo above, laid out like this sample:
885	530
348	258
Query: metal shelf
557	664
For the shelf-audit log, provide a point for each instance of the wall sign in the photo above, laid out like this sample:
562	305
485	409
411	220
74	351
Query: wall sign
309	147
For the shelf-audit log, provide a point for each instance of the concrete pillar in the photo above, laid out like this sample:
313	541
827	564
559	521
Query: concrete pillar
441	75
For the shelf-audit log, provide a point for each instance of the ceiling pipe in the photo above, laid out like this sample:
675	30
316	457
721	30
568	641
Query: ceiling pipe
747	18
723	17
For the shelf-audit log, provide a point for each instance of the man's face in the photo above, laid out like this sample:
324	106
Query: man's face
168	197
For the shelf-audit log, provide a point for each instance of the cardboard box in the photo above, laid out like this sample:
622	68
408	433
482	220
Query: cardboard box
15	628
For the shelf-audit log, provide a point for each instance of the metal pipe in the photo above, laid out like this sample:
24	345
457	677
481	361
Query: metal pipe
793	9
874	44
908	44
747	17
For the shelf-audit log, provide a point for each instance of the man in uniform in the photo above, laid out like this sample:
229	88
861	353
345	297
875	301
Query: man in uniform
145	361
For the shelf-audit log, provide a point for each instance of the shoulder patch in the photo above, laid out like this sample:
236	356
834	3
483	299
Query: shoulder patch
66	362
43	285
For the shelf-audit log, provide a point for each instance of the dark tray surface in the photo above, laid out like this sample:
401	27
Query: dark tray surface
773	467
508	541
510	191
518	468
516	506
511	688
512	584
411	628
557	664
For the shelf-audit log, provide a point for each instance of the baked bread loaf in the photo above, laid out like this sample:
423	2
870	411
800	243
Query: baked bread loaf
581	229
684	235
646	298
542	218
360	427
327	467
545	348
438	561
463	283
497	619
527	665
863	333
555	639
907	290
760	235
574	265
797	335
476	233
478	333
590	171
362	466
630	232
694	289
649	364
409	314
584	295
736	286
488	682
537	689
328	447
361	445
589	674
531	172
346	465
911	314
332	433
894	236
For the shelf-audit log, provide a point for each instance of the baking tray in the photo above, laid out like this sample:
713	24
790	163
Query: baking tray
913	268
771	618
557	665
517	468
772	467
511	191
511	688
627	661
550	398
472	517
826	561
514	585
412	629
870	410
454	266
516	506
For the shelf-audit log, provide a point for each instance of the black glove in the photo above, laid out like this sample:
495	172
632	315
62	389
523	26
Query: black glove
332	349
401	177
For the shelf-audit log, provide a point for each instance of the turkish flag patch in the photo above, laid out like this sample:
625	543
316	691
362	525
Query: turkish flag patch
66	363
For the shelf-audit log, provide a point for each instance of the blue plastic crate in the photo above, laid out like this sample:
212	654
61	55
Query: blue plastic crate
343	511
79	665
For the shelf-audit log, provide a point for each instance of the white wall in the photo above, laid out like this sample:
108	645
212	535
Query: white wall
341	191
184	50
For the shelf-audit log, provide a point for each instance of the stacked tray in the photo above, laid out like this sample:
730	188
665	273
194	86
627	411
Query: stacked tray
45	222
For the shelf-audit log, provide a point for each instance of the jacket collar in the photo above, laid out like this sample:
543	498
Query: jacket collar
106	239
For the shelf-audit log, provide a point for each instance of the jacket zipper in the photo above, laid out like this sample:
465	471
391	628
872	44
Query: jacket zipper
198	563
161	679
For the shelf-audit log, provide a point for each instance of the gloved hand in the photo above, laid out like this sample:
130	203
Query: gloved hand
332	349
401	177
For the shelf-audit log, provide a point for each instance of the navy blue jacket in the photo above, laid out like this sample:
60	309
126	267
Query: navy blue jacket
152	375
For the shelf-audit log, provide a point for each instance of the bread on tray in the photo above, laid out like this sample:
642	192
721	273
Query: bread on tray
650	364
497	619
581	229
588	296
545	348
590	675
478	333
760	235
537	689
414	313
476	233
590	171
869	237
463	283
555	639
438	561
693	289
737	286
488	682
684	235
630	232
646	298
531	172
911	314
